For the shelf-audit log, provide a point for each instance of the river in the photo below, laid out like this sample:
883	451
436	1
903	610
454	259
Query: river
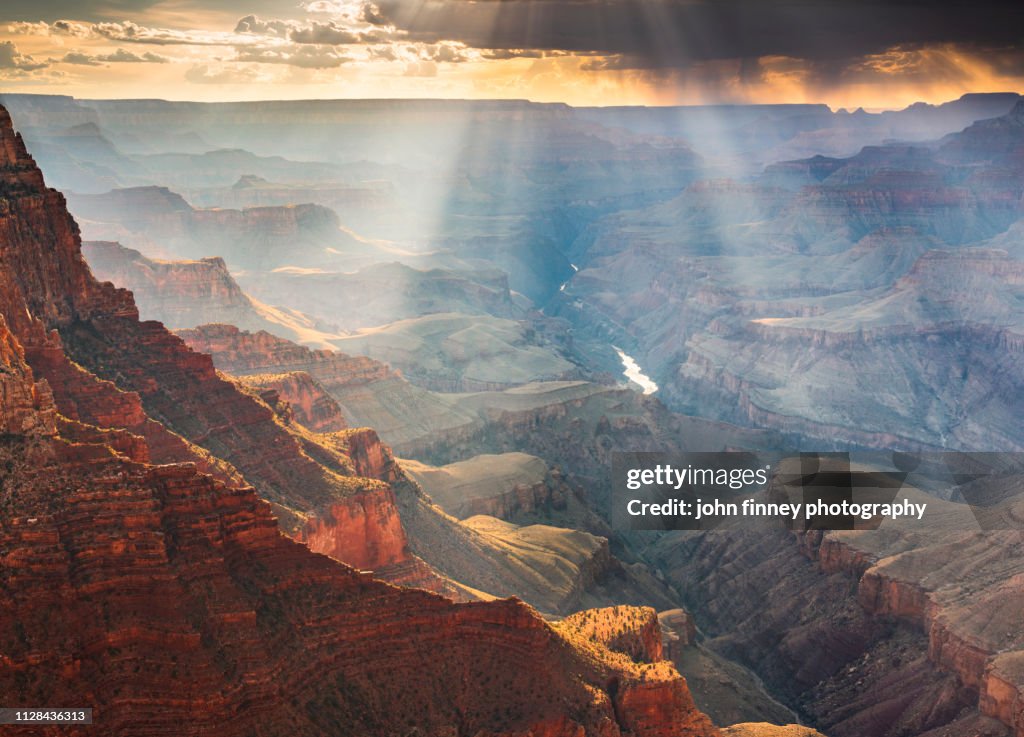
634	373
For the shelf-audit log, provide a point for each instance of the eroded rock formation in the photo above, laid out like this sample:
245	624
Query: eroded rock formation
932	606
169	601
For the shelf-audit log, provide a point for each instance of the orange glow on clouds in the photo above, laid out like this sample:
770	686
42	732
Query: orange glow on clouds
223	66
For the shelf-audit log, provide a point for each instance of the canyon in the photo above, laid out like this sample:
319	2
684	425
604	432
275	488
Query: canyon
785	276
127	566
867	300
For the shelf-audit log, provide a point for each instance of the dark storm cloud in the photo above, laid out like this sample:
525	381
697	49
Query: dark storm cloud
667	33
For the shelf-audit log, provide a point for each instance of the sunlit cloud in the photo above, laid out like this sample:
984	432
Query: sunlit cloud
118	57
251	24
12	59
333	33
130	32
223	74
349	10
308	57
57	28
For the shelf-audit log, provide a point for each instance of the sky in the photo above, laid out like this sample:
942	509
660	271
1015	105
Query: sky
845	53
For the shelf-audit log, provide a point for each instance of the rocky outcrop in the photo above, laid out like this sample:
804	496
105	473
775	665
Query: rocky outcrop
172	292
769	730
633	631
184	294
26	406
364	530
949	588
244	353
162	222
506	486
307	400
648	706
678	631
1002	692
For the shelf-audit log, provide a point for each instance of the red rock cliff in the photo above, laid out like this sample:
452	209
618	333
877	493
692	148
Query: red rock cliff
136	376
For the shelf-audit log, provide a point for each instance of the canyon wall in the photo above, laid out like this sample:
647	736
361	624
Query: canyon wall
934	608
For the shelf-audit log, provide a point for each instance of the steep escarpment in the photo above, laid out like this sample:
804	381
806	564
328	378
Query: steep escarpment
507	486
107	369
931	361
161	222
169	601
106	606
242	353
932	606
957	586
368	392
306	399
183	294
172	289
961	588
803	632
26	406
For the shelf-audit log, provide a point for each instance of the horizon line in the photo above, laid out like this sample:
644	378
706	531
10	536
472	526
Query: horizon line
527	101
